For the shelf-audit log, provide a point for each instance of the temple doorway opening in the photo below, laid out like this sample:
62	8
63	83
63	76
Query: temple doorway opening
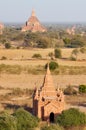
51	117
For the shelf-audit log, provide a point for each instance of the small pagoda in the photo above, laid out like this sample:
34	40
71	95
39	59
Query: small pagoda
47	101
33	24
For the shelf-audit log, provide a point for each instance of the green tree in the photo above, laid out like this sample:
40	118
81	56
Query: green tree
71	117
75	52
76	43
67	42
7	122
52	65
25	120
82	88
44	42
57	53
7	45
37	56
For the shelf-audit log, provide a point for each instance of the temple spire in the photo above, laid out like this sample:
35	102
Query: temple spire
33	13
33	24
48	69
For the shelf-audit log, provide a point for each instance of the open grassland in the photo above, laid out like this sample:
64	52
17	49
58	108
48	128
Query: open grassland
24	57
36	62
20	70
28	53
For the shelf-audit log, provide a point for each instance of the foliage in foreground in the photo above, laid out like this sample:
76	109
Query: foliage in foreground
20	120
71	117
25	119
7	122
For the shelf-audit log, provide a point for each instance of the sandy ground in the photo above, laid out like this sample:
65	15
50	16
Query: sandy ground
31	81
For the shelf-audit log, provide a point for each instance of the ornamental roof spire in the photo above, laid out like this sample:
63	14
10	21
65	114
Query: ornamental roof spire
33	13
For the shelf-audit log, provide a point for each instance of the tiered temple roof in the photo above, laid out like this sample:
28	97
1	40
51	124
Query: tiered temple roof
47	99
33	24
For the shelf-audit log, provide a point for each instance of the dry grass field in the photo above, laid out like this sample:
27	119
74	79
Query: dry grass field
30	81
27	53
23	57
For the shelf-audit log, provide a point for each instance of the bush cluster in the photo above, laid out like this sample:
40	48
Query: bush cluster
70	90
38	56
57	53
71	117
82	88
20	120
52	65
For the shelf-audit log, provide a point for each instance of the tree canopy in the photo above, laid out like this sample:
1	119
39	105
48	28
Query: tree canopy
71	117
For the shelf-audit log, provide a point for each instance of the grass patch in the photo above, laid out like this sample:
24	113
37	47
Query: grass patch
10	69
37	70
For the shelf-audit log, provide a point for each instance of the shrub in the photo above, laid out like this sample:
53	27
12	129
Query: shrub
7	122
76	43
52	127
18	47
70	90
37	56
72	58
57	53
83	50
71	117
25	120
75	52
82	88
3	58
7	45
51	55
52	65
43	42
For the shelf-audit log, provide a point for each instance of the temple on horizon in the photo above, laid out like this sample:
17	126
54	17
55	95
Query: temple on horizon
33	24
47	101
1	28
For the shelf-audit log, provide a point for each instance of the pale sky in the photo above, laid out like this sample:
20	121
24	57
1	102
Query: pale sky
46	10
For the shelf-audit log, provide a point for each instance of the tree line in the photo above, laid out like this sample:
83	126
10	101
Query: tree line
40	40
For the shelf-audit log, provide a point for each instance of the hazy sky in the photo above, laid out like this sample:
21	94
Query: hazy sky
46	10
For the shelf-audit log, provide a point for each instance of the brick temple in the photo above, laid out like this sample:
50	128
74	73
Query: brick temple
33	24
47	101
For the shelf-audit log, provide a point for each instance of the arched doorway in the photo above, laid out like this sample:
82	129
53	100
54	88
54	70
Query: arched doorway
51	117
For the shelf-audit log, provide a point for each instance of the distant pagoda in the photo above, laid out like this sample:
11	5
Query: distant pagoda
1	28
33	24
